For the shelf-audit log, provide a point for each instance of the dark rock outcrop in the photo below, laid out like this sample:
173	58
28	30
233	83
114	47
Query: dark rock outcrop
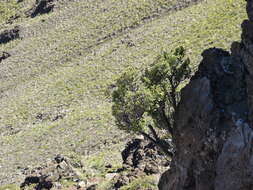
140	158
144	156
42	7
8	35
213	134
4	55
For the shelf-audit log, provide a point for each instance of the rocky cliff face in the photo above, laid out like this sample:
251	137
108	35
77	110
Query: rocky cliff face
213	134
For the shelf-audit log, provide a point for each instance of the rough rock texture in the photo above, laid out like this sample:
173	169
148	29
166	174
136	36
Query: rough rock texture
48	175
42	7
143	155
140	158
213	133
8	35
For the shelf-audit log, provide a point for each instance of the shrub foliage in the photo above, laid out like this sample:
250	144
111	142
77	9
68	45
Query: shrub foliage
144	101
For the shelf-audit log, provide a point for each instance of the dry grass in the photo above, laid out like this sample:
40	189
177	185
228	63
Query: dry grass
52	88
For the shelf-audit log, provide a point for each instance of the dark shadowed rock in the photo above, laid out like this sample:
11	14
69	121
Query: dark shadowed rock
213	133
92	187
250	9
8	35
41	182
4	55
144	156
140	158
235	163
211	106
42	7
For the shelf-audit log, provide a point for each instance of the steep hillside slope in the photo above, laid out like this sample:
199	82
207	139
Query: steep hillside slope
52	87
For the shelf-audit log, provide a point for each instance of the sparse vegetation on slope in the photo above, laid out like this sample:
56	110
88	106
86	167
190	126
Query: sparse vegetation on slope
52	87
8	9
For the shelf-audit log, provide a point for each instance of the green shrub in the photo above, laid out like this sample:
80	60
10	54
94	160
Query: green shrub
145	101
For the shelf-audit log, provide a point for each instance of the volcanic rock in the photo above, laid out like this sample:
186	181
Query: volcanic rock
8	35
213	133
140	158
42	7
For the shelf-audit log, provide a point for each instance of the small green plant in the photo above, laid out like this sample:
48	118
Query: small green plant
10	187
146	182
144	102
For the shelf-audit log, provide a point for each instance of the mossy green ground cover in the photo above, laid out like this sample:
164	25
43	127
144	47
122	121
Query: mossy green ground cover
52	88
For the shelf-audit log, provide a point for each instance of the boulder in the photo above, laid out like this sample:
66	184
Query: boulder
140	158
42	7
8	35
213	133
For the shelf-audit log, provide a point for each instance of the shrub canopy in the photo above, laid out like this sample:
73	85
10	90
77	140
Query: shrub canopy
146	100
